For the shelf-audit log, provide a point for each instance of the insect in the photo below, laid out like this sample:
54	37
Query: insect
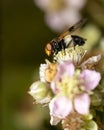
65	40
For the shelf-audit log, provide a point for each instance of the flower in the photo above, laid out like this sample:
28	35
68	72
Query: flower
62	70
61	106
66	70
60	14
61	20
71	88
69	85
74	54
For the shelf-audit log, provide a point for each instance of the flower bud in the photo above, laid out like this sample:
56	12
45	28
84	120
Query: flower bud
91	125
41	92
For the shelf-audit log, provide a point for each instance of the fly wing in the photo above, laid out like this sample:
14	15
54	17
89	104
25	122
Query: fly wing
77	25
72	29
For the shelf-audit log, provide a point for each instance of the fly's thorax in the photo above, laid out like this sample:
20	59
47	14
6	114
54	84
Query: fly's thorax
67	40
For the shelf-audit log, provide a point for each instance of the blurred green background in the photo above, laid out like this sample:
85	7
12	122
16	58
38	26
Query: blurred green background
24	35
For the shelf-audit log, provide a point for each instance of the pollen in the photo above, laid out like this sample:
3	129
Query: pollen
50	72
69	86
74	54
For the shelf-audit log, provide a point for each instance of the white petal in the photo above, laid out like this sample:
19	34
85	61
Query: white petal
82	103
66	68
91	79
60	107
54	120
91	61
43	4
55	22
42	68
76	4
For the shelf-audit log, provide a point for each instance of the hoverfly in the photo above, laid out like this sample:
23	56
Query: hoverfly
65	40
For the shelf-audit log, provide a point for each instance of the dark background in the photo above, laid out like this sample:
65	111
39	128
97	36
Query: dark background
24	35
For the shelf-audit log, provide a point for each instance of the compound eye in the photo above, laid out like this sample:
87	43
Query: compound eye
48	49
